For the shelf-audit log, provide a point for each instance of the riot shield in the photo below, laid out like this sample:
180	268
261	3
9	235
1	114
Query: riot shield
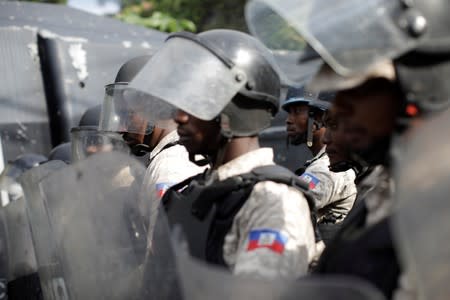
94	232
21	256
23	281
160	276
4	259
421	222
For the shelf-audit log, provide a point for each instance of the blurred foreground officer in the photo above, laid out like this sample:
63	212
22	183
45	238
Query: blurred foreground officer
240	214
334	193
390	60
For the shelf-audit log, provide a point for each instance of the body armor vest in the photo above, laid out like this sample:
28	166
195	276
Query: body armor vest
365	252
206	208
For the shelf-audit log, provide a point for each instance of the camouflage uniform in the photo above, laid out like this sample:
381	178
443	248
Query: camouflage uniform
168	166
272	234
334	193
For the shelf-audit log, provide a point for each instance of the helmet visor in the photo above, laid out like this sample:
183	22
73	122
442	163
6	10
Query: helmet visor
190	77
127	110
350	35
87	140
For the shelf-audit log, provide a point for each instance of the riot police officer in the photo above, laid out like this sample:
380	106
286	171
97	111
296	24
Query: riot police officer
226	90
334	193
398	76
168	162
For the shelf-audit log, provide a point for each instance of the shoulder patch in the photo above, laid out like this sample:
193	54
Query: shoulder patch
161	188
267	238
312	180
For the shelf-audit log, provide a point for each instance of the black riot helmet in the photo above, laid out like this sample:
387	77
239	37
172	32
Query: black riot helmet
22	163
402	40
317	104
222	74
130	68
115	114
91	116
253	107
317	107
297	96
61	152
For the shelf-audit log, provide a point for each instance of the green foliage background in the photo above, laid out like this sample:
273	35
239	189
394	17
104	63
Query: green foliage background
50	1
190	15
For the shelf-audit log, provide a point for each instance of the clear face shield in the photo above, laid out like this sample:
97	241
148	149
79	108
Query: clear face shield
88	140
351	36
125	110
188	75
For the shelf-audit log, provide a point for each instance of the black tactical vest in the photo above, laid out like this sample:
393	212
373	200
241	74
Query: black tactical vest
205	208
367	253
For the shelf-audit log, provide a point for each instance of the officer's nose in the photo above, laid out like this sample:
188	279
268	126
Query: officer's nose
181	117
326	139
289	119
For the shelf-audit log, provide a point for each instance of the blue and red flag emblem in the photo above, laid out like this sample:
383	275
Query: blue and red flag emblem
310	179
161	188
267	238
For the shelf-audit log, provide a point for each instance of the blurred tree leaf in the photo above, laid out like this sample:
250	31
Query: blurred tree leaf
145	14
191	15
47	1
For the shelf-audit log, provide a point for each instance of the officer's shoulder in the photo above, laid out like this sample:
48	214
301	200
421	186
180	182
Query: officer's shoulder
278	175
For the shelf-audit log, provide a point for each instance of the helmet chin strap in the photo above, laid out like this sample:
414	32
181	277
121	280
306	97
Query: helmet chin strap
220	155
199	162
309	132
216	161
142	148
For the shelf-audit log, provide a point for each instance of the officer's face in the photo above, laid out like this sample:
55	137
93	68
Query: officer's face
334	138
297	120
198	136
136	136
368	116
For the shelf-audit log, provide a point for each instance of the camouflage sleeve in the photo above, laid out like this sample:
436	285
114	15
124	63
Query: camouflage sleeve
321	184
326	186
272	235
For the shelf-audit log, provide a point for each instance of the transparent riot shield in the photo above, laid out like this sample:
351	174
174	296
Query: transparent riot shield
4	257
20	215
94	233
19	246
160	275
421	221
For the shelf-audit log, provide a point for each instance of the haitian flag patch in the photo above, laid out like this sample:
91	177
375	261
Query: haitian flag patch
267	238
310	179
161	188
